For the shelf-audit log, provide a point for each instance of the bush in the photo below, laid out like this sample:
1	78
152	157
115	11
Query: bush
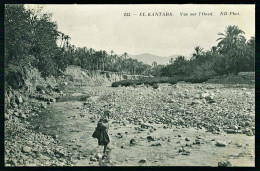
15	76
146	81
155	86
230	79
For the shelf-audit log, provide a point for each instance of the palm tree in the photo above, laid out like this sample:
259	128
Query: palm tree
125	56
230	38
171	61
154	64
111	61
198	52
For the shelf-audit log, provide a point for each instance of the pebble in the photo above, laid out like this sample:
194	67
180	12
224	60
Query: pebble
221	144
93	159
132	142
187	139
26	149
224	164
239	145
142	160
151	138
156	144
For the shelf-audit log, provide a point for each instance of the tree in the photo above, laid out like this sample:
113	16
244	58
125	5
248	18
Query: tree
230	38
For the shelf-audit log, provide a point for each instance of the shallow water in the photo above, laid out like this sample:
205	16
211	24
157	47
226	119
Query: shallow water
72	98
73	126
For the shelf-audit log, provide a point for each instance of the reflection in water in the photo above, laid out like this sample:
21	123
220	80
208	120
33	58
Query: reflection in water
72	98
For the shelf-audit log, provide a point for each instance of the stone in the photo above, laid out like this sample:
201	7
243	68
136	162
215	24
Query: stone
235	127
26	149
187	139
43	157
239	145
181	149
92	159
98	156
156	144
185	153
204	95
142	160
224	164
42	92
146	125
19	99
151	138
22	115
132	142
221	144
230	131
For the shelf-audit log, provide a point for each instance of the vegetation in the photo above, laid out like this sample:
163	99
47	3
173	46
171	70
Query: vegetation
33	42
232	54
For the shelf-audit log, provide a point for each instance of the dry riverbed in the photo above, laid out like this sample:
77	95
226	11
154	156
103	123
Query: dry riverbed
179	125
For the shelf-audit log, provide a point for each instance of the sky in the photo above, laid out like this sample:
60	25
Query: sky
104	27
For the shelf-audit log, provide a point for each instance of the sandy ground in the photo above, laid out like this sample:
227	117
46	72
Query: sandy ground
73	126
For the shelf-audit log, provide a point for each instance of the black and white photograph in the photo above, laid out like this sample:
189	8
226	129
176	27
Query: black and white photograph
129	85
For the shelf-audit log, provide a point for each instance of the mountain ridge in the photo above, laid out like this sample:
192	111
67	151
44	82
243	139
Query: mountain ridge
148	58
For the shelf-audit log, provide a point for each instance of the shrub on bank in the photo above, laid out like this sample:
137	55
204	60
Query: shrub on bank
209	76
146	81
230	79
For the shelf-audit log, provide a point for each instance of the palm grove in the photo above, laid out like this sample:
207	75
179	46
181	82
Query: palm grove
32	40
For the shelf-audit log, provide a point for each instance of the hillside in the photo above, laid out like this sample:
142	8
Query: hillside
150	58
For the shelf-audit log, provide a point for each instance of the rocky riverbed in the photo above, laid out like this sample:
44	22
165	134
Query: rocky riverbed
174	125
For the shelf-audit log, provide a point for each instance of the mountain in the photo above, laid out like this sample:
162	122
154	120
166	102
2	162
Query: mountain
149	58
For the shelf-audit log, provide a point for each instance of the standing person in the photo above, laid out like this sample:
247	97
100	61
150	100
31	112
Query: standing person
101	132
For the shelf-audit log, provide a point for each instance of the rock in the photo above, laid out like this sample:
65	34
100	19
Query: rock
132	142
197	141
42	92
19	100
146	125
181	150
197	96
39	88
179	135
187	139
52	100
151	138
26	149
204	95
156	144
209	98
224	164
43	157
98	156
230	131
92	159
239	145
142	160
249	133
119	135
235	127
165	127
221	144
22	115
185	152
